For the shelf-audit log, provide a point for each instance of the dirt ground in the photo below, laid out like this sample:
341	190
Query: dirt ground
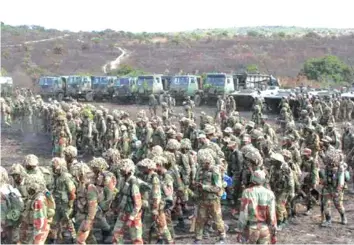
15	145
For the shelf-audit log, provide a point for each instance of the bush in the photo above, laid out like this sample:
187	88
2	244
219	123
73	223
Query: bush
327	69
58	49
126	70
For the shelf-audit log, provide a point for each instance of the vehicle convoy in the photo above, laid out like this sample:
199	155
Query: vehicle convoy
103	87
215	84
252	86
155	84
124	89
60	87
182	86
6	84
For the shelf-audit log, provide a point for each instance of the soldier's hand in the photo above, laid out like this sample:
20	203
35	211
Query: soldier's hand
68	212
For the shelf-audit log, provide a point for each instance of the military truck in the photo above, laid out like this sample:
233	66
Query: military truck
252	86
61	87
215	84
156	84
6	84
124	89
182	86
103	87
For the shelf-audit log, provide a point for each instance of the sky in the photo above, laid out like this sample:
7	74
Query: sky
175	15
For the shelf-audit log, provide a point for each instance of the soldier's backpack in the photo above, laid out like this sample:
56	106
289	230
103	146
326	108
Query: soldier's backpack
14	204
48	177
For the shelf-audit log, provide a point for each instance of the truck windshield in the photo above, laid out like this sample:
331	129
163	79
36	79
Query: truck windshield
215	80
122	81
149	81
74	81
46	81
178	82
99	80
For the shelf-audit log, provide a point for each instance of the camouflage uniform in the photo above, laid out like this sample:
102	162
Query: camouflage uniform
152	105
208	185
129	206
112	134
64	195
87	203
333	188
154	214
257	220
350	107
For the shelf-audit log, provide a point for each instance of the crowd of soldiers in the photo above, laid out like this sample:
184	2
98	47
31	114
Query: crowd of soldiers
145	173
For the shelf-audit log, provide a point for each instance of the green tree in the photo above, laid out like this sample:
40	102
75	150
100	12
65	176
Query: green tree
252	34
253	68
328	68
126	70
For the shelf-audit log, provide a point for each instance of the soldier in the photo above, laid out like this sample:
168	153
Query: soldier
282	184
64	195
220	106
73	127
333	181
87	132
154	214
312	140
189	158
153	105
309	168
38	213
350	107
343	108
336	109
87	203
70	156
112	134
124	143
334	135
11	207
129	206
165	113
158	136
257	115
260	226
112	156
105	182
208	186
30	163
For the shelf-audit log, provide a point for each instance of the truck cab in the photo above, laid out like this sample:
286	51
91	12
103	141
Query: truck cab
102	86
124	87
155	84
79	87
182	86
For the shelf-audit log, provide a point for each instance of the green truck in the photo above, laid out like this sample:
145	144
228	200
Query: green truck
155	84
124	89
182	86
103	87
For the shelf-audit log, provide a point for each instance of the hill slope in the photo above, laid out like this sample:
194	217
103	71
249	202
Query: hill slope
28	52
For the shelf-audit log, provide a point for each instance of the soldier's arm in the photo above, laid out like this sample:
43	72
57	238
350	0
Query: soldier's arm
92	198
272	222
187	168
39	216
68	132
168	188
109	189
136	196
156	196
314	172
341	179
71	188
104	127
216	185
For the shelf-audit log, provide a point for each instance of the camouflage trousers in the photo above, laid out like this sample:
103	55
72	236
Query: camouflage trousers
84	229
258	235
280	206
35	236
206	209
62	226
162	231
331	194
135	229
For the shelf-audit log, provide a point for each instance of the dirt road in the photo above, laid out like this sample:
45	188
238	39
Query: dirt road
15	145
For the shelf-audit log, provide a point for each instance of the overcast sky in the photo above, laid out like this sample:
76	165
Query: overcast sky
175	15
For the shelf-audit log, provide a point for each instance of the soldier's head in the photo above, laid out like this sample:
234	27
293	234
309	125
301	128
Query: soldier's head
277	160
238	129
127	168
146	166
250	126
288	140
347	127
18	173
98	165
58	165
112	156
306	153
185	145
202	139
154	123
253	159
227	131
172	145
209	131
81	172
30	162
246	139
70	154
258	177
161	164
287	155
205	159
232	145
34	185
4	177
326	141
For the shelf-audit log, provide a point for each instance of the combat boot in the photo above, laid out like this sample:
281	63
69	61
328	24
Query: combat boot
343	219
181	225
327	222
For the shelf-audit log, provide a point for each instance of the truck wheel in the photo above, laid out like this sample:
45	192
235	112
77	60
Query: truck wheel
197	100
60	97
89	96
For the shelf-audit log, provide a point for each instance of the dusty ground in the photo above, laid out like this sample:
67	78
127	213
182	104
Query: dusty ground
15	145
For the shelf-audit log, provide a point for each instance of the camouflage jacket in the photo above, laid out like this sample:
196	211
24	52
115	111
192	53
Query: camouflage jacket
211	183
64	191
106	183
129	198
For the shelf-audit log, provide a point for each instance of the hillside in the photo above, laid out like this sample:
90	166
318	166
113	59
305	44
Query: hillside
279	50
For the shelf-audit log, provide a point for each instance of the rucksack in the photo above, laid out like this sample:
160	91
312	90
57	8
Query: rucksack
15	206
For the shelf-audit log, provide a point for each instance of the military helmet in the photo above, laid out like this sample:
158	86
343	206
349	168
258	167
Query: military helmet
111	154
238	126
258	177
246	138
17	169
250	124
31	160
155	151
172	144
160	160
306	152
209	129
186	144
147	163
80	169
127	165
32	182
4	177
255	157
58	162
98	162
228	130
70	151
277	157
205	156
